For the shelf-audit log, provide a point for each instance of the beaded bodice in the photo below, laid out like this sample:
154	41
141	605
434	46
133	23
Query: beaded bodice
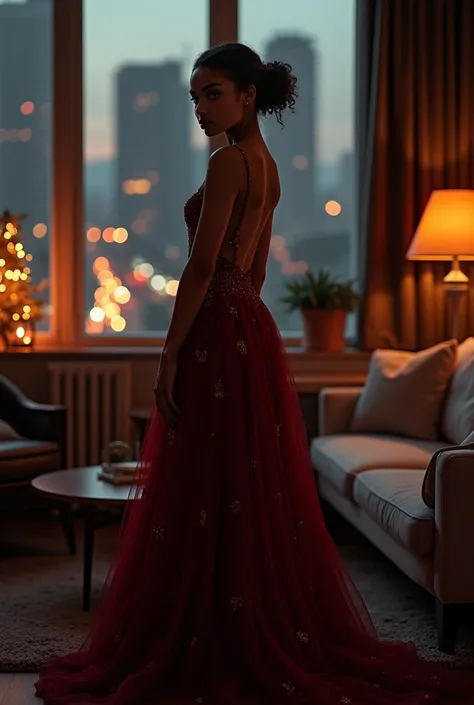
192	210
229	280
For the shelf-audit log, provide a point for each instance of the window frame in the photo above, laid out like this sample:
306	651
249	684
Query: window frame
67	244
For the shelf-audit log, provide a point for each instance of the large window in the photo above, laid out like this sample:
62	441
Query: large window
143	157
122	236
313	225
25	129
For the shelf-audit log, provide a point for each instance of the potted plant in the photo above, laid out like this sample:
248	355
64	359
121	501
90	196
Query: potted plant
324	303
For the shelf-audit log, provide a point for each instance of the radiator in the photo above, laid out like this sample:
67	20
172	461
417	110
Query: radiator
97	398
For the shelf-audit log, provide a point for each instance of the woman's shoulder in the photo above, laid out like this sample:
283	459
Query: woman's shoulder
223	166
223	160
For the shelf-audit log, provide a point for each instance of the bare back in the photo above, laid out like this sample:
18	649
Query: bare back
263	196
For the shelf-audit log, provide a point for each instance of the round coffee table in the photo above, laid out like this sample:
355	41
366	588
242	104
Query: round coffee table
82	486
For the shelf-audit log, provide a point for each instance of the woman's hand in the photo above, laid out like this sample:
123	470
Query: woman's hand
164	384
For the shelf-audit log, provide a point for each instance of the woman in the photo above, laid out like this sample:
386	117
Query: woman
226	587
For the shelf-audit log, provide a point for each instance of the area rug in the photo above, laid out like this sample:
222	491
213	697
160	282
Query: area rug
41	593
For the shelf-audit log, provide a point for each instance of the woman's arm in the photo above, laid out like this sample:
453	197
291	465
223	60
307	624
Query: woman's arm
221	189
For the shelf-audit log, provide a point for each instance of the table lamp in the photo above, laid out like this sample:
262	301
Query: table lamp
446	232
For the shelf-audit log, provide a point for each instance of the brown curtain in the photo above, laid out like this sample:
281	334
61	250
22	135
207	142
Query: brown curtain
414	133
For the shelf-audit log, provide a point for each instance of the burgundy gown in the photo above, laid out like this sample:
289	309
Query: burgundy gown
226	587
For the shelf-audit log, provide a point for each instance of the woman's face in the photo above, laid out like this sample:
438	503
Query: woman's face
218	105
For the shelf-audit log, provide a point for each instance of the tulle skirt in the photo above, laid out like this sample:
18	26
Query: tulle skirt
226	587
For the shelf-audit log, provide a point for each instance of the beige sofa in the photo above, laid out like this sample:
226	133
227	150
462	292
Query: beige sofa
377	482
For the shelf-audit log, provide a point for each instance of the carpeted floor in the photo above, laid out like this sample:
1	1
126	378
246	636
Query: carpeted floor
41	589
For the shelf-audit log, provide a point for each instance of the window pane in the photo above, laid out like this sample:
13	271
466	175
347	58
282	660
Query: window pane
26	130
144	155
315	150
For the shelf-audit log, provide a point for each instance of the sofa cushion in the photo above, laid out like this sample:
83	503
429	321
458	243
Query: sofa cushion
458	413
22	460
341	457
405	391
393	499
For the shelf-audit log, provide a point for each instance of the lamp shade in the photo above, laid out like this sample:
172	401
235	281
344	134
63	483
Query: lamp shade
446	228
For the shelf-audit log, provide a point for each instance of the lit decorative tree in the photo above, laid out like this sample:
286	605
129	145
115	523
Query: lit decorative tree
19	310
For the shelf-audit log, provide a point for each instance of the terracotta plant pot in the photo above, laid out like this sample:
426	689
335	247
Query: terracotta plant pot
323	330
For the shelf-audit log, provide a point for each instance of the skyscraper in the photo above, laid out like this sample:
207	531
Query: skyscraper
295	146
154	170
25	119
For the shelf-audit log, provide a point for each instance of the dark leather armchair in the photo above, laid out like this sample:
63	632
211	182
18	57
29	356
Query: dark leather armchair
32	442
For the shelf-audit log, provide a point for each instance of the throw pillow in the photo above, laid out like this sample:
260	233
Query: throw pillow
404	392
428	487
458	414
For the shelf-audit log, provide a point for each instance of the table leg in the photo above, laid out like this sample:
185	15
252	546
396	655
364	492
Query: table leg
67	521
89	517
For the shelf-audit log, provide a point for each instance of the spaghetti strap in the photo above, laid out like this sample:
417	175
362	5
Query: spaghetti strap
234	241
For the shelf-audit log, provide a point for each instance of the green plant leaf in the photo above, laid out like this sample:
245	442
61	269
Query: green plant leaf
320	291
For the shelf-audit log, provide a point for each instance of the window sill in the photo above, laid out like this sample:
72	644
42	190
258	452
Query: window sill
126	351
311	371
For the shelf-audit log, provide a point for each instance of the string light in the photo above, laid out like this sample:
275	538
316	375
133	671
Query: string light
111	294
282	255
19	309
108	298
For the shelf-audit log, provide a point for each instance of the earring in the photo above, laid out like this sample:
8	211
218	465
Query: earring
246	102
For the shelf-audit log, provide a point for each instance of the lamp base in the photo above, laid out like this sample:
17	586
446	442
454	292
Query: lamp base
456	284
454	298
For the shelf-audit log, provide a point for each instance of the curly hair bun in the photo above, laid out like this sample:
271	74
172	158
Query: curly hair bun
276	89
274	81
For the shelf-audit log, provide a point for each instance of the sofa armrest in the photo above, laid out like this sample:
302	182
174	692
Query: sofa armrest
37	422
335	409
454	525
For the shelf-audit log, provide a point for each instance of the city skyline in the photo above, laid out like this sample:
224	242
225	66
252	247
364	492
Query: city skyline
25	122
140	37
296	150
133	200
151	177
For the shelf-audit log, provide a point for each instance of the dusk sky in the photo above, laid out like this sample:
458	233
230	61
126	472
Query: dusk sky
119	32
